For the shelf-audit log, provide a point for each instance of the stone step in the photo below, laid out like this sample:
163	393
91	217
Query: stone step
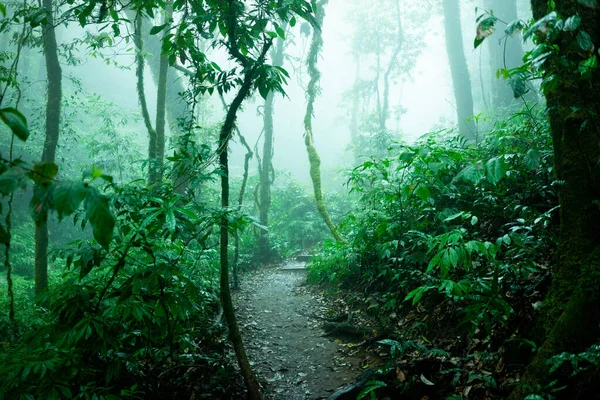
303	257
294	266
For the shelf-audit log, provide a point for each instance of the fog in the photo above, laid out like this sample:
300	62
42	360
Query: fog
421	94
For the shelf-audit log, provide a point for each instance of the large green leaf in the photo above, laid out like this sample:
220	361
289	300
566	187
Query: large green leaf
11	180
68	196
99	215
15	121
472	173
496	169
589	3
43	173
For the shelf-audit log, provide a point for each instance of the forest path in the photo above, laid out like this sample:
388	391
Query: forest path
284	340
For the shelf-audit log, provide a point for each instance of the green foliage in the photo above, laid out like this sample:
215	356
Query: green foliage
115	318
439	221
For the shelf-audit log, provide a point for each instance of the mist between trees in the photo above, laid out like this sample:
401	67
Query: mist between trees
437	162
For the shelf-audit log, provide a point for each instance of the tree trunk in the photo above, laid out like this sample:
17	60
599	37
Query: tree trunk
459	70
311	94
228	310
572	308
54	75
161	99
266	167
506	53
140	64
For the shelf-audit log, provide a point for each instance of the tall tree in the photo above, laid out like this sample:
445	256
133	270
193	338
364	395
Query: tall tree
140	64
461	79
311	94
573	303
161	102
54	76
506	51
266	166
156	133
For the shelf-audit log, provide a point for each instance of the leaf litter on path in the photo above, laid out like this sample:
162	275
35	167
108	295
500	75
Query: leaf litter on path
285	343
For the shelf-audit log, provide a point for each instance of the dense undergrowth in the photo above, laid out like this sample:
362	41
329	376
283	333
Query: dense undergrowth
450	251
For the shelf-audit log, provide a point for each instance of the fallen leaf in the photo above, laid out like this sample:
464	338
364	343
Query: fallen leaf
426	381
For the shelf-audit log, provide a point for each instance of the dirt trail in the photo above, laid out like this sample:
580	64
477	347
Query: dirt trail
284	339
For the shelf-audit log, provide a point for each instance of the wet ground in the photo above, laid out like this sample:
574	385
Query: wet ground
285	343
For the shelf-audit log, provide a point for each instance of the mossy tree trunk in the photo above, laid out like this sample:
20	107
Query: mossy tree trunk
461	79
311	94
266	167
54	76
572	308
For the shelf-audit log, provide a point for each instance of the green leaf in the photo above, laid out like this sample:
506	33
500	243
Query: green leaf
43	173
293	22
68	196
3	9
423	192
157	29
272	34
589	3
99	215
587	66
15	121
496	169
11	180
533	159
472	173
572	23
518	86
584	41
542	25
514	27
369	388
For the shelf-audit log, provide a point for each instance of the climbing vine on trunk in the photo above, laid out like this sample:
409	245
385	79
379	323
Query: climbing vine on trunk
311	94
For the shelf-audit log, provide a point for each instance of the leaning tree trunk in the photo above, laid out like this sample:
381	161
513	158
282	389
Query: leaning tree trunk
572	307
266	166
461	79
311	94
54	74
504	54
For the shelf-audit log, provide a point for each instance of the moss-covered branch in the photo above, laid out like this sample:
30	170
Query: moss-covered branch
311	94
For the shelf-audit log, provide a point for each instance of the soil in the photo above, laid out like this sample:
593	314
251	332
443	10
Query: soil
291	356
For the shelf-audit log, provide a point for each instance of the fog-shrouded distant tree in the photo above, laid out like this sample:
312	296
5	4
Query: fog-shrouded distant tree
266	161
461	80
156	133
506	50
385	39
53	103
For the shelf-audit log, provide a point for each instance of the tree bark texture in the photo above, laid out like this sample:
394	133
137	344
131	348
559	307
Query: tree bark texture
572	308
54	76
461	79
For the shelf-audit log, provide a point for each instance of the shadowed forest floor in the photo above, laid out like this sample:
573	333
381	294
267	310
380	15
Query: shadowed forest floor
284	339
